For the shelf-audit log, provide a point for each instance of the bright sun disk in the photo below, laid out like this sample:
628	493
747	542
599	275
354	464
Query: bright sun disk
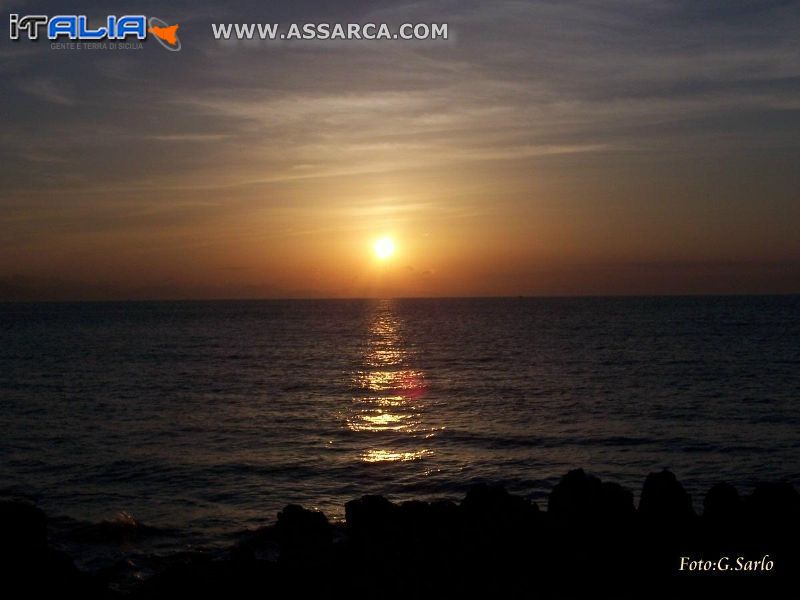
384	248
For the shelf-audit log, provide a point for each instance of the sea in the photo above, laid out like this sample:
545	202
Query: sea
193	422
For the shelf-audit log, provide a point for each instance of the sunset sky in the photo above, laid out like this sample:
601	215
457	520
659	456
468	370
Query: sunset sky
605	147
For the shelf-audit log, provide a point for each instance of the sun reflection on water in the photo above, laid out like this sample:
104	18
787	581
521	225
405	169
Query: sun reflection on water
388	401
374	456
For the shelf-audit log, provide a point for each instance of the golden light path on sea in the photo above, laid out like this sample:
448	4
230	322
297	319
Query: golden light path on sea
389	401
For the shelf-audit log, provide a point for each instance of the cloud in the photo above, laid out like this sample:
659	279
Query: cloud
49	90
523	80
584	107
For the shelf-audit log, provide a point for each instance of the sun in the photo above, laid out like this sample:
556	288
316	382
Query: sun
384	248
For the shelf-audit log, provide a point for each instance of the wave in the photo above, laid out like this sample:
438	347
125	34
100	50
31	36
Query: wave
123	528
494	440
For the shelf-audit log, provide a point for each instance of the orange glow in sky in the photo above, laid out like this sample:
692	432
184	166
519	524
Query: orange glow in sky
519	161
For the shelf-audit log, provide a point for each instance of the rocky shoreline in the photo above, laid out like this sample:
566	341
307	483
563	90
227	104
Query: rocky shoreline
591	540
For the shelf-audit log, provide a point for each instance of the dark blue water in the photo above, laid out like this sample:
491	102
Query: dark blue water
205	418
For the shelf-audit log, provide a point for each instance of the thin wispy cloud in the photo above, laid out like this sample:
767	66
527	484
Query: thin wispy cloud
48	90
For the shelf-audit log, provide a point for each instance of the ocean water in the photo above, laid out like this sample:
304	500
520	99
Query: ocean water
203	419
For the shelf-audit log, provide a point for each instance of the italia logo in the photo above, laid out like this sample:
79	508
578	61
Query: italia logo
77	28
167	35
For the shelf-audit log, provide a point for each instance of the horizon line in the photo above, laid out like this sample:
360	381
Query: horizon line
384	298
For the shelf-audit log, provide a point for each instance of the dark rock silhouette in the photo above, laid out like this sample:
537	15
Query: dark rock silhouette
722	504
373	523
27	560
489	510
582	499
774	503
590	541
664	500
303	534
24	527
